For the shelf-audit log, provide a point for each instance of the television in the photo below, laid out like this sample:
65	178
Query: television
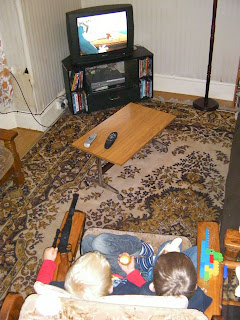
100	33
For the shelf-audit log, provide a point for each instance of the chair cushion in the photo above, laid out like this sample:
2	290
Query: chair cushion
6	160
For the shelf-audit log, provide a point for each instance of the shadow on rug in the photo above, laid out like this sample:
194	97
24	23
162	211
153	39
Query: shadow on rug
164	192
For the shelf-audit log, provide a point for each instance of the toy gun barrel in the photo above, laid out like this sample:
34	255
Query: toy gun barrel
62	256
73	204
63	244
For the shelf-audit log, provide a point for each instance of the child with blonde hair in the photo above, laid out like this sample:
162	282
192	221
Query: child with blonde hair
90	276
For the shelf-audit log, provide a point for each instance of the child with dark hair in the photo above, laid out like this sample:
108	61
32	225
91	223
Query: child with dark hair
174	275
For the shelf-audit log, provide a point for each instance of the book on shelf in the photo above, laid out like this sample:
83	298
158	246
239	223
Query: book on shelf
85	101
74	103
75	82
80	81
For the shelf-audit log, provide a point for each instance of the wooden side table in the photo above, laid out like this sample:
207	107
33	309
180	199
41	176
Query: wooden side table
232	248
232	244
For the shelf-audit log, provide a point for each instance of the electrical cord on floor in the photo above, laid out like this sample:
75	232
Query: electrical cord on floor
28	105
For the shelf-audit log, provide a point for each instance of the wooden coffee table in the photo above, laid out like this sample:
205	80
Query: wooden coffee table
136	125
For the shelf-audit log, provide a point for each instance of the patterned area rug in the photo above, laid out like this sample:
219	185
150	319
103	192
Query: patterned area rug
166	189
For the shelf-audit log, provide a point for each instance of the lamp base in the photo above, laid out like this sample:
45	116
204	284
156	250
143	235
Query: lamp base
210	104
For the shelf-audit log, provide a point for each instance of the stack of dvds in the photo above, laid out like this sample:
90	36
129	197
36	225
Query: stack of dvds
145	80
79	97
77	81
145	67
145	88
79	100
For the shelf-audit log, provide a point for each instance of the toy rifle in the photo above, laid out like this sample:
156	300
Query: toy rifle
61	241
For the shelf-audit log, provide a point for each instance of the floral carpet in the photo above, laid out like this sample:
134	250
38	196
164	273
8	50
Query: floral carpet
166	187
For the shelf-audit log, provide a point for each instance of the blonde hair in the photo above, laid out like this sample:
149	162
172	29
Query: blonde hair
89	277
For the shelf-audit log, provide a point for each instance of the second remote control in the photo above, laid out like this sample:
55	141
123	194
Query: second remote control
89	140
110	140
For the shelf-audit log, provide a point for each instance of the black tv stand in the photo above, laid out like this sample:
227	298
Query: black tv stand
99	85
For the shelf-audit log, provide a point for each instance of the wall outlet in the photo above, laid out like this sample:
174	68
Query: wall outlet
61	103
58	105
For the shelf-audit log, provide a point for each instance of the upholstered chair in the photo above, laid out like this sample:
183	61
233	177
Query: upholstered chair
10	163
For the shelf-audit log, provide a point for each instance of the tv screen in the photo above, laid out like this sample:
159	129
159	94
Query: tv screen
100	33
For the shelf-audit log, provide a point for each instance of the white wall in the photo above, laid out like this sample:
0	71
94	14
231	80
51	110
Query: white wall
34	37
178	33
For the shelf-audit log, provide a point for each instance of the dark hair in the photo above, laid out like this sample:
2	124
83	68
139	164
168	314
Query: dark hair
174	274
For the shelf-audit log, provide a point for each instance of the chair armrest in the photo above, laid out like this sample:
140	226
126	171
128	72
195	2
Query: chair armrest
75	236
231	264
212	287
7	135
11	306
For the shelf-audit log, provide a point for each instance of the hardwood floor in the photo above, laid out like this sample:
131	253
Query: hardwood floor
26	138
183	97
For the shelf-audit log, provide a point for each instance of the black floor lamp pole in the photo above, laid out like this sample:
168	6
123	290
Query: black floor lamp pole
208	104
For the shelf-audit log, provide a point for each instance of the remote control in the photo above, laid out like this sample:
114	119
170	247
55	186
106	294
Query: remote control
89	140
110	140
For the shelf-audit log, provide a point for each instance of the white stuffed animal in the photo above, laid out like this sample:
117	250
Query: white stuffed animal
48	302
172	246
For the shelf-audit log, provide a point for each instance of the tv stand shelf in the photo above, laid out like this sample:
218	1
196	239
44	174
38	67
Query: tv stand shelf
99	85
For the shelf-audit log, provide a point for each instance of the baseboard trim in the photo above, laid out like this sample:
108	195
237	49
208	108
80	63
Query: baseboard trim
194	87
26	120
164	83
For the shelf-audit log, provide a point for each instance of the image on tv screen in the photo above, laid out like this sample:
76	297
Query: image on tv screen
102	33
